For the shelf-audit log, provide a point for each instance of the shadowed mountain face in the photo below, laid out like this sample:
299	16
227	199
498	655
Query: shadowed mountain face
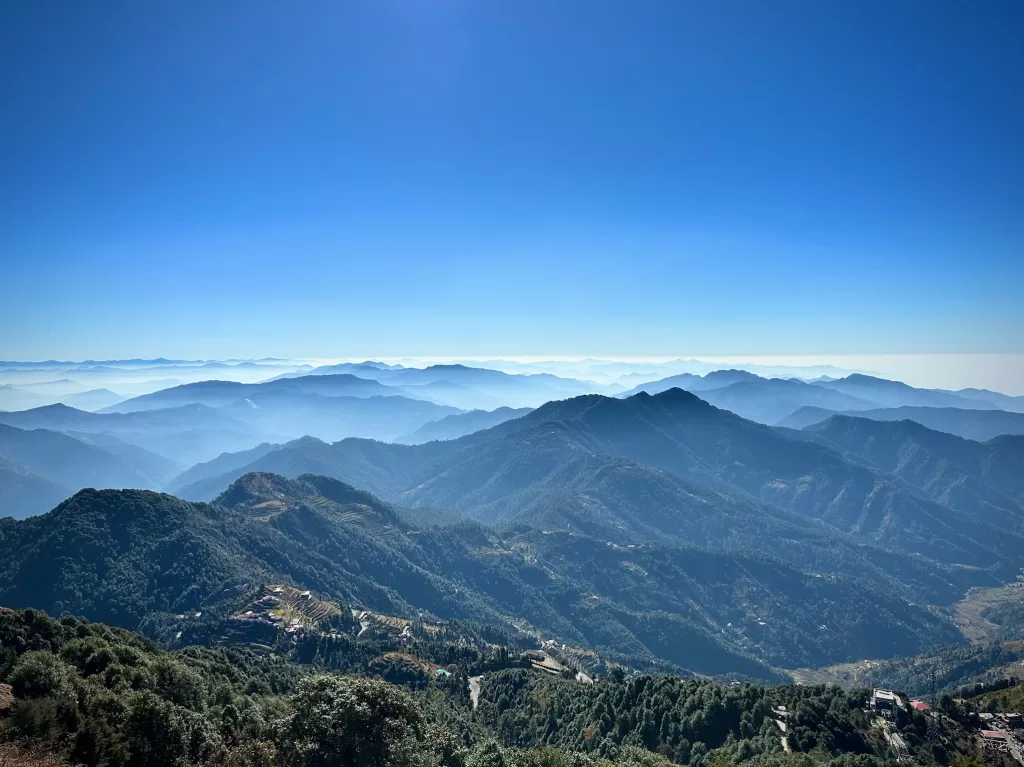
672	467
66	461
980	425
24	494
222	464
982	479
155	467
461	424
131	557
184	435
768	401
39	467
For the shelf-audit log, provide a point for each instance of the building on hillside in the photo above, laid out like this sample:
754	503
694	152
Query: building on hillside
920	705
886	704
994	740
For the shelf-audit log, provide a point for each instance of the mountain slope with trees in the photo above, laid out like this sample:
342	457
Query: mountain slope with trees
75	692
461	424
597	463
137	559
983	479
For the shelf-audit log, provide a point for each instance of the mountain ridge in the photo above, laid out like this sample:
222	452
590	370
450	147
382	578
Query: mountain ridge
318	533
579	457
979	425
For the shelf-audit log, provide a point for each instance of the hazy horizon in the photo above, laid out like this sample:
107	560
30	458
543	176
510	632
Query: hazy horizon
998	372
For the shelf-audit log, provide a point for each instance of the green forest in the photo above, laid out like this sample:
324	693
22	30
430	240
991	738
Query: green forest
74	692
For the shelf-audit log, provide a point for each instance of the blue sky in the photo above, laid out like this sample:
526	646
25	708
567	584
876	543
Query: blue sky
467	177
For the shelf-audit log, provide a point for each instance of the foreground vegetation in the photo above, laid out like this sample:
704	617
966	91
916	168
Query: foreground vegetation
75	692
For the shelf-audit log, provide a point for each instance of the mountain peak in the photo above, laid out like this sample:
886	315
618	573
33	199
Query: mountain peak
258	487
676	396
861	378
56	407
268	493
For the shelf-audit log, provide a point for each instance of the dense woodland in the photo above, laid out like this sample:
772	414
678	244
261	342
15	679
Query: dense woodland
95	695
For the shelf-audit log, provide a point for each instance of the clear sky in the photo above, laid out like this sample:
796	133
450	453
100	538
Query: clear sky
479	177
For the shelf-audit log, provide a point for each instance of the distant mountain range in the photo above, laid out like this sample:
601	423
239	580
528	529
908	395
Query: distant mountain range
196	422
980	425
983	480
220	393
897	394
673	468
770	400
716	379
467	387
653	528
39	466
15	398
774	400
178	429
183	435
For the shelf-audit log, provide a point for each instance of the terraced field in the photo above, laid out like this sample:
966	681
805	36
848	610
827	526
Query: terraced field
266	510
356	513
391	624
968	611
289	606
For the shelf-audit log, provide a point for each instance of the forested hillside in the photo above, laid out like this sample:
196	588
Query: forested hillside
73	692
150	561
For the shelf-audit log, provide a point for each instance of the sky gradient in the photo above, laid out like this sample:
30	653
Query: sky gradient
470	178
